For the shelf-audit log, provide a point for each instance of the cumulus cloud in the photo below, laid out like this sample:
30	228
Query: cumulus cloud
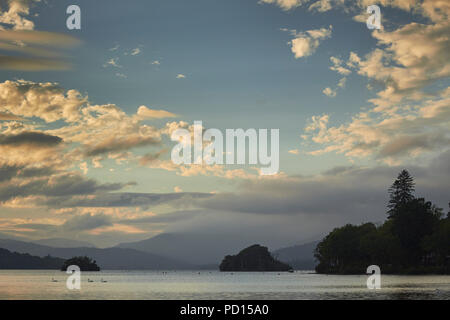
305	43
388	136
16	15
47	100
409	116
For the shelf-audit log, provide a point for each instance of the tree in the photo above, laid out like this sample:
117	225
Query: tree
84	263
401	192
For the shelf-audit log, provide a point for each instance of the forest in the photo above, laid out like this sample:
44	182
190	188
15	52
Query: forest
414	239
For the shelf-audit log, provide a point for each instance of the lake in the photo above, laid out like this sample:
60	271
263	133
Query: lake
185	285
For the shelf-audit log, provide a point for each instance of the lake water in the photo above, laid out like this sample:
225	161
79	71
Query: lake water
186	285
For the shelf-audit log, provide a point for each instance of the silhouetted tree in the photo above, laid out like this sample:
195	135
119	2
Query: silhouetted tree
401	192
84	263
415	238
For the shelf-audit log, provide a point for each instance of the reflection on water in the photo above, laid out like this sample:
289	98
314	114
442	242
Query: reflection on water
215	285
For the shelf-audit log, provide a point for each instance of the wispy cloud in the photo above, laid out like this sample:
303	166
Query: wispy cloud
113	62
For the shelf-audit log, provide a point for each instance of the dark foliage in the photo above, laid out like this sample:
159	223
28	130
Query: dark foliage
254	258
415	239
14	260
84	263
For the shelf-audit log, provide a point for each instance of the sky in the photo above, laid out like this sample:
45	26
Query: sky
86	115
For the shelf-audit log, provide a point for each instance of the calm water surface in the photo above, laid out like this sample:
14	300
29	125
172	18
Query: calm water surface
186	285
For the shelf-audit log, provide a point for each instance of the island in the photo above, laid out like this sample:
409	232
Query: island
253	258
84	263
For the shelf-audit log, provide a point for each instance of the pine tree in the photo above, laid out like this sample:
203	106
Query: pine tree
401	192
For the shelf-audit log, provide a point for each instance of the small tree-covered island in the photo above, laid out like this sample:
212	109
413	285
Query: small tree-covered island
84	263
253	258
415	239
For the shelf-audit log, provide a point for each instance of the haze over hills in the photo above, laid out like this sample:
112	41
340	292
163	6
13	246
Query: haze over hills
110	258
165	251
300	257
64	243
197	249
210	249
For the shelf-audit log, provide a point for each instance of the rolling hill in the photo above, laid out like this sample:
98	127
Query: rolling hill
110	258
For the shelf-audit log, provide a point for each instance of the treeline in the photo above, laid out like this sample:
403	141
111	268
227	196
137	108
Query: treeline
14	260
415	239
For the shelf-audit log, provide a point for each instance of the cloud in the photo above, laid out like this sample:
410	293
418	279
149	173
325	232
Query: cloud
8	117
329	92
31	64
116	144
285	4
399	134
321	6
123	199
294	151
337	66
47	100
408	117
41	38
30	138
15	15
121	75
87	222
115	48
59	185
305	43
351	193
20	41
146	113
135	51
114	62
342	82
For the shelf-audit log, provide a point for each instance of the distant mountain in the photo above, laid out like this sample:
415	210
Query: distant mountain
110	258
253	258
300	257
14	260
64	243
196	249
